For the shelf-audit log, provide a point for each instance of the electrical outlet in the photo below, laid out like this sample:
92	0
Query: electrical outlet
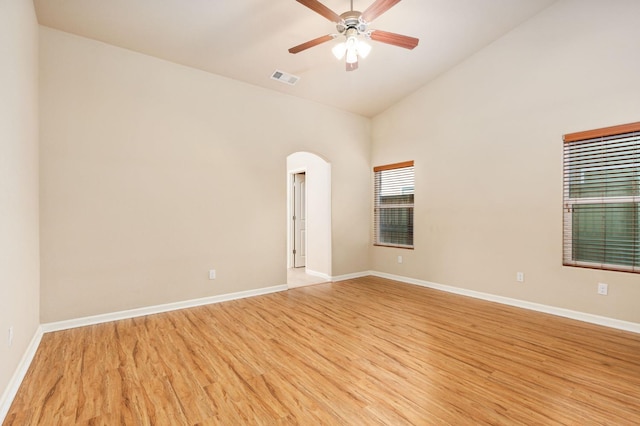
603	289
212	274
10	337
520	277
399	259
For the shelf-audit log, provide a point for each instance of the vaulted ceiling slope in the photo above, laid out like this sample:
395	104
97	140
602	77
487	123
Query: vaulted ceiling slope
247	40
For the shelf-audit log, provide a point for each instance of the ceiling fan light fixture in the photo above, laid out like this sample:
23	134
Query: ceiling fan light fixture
352	56
363	49
339	50
356	49
352	49
352	42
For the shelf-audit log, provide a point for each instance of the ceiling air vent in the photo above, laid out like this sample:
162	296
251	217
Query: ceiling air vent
285	77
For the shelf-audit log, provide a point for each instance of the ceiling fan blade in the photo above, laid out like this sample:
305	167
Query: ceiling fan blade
311	43
352	66
394	39
377	8
321	9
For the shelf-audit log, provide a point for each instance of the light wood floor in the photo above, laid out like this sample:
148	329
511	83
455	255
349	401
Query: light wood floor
358	352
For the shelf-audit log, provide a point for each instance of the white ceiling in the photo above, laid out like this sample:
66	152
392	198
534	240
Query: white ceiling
248	39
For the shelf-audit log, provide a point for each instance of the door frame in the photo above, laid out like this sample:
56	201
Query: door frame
292	207
290	221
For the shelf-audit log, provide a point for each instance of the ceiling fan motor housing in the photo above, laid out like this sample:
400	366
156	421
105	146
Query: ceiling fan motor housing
351	20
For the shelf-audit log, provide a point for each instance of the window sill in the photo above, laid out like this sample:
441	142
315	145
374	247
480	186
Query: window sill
394	246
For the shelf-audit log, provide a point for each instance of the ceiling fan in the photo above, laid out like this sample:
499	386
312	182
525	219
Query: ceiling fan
354	26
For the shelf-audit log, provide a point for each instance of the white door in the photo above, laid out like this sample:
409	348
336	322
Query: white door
299	221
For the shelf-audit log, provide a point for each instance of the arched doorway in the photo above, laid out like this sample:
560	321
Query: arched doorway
308	219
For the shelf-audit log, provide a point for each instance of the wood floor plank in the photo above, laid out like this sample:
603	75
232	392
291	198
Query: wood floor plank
367	351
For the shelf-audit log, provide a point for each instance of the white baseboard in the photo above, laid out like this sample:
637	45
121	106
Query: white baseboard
351	276
149	310
16	380
317	274
561	312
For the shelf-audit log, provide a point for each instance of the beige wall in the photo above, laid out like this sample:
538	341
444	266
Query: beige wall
19	252
486	138
153	173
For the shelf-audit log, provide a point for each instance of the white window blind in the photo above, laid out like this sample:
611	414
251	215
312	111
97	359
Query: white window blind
393	205
602	198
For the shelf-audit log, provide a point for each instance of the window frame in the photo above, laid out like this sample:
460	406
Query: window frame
379	207
601	139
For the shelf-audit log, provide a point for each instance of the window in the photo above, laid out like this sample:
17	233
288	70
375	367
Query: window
393	205
602	198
